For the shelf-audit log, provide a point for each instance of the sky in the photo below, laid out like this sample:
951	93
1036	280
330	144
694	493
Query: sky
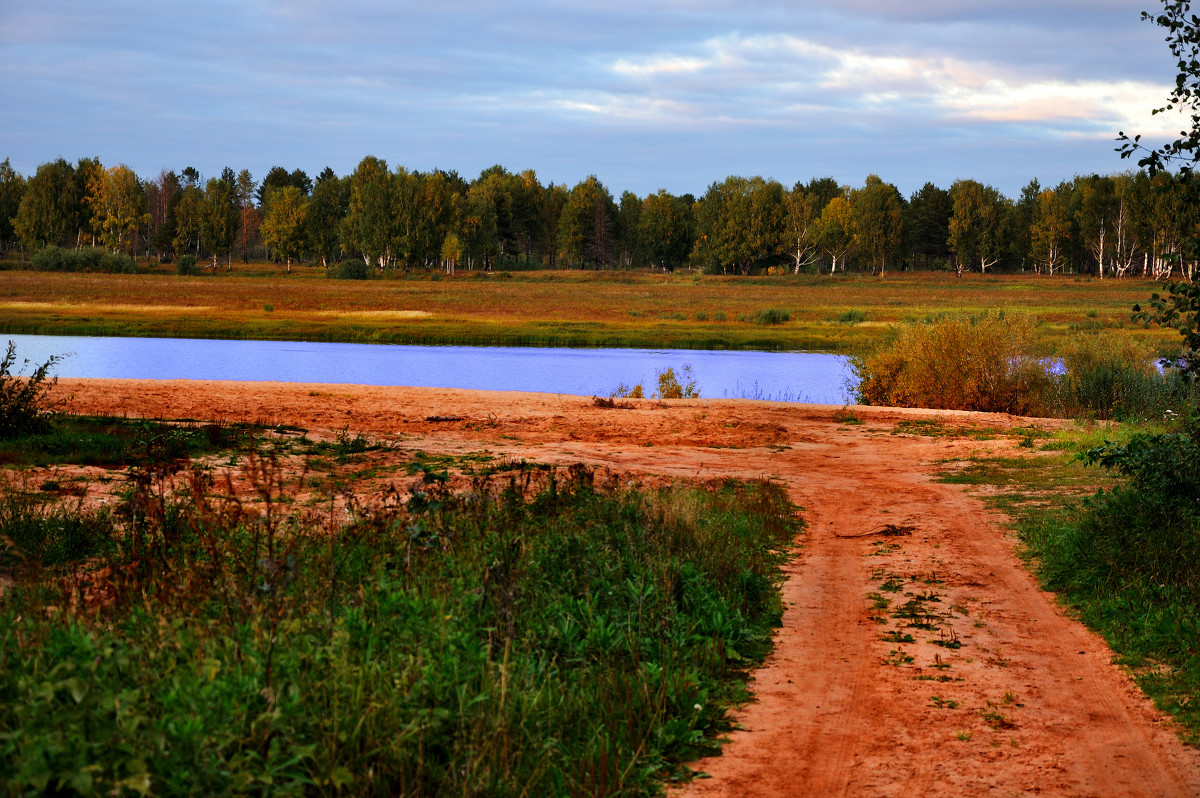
645	94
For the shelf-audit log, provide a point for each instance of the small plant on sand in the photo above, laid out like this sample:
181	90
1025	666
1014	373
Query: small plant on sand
623	391
670	387
25	405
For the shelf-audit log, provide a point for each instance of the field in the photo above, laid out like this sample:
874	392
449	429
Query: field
581	309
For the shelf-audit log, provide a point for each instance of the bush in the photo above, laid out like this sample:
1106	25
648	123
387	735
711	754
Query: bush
1113	376
772	316
981	362
669	386
352	269
92	259
1147	530
25	405
852	317
186	265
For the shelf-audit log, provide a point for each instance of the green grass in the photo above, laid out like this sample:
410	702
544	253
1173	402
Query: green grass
1123	557
84	440
535	636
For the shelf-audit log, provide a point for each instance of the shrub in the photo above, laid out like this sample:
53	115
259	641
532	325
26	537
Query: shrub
25	404
625	392
772	316
352	269
981	362
92	259
852	317
669	386
1148	529
186	265
1111	376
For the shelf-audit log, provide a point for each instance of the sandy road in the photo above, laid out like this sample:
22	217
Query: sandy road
917	664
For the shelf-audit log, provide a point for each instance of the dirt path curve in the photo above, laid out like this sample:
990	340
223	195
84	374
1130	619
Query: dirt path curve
923	663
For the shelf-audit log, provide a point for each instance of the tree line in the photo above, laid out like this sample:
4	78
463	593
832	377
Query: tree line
393	218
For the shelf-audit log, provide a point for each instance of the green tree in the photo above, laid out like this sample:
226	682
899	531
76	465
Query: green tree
12	188
283	226
120	208
835	231
1183	38
666	230
159	192
371	226
276	178
978	225
803	214
554	201
188	219
741	222
528	198
628	243
478	231
878	212
244	187
1096	216
585	232
326	210
49	209
219	219
929	211
1050	230
90	180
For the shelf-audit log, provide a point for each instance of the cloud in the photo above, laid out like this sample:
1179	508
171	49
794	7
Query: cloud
750	78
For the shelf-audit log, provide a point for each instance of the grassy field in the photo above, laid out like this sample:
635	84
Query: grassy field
581	309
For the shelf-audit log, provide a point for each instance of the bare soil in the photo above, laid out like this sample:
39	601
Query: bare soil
917	656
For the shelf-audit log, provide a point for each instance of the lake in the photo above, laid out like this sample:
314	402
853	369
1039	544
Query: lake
782	376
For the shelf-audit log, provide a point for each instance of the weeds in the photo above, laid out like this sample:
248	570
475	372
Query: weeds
25	404
535	635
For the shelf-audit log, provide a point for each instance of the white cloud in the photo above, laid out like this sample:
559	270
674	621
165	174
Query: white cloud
750	78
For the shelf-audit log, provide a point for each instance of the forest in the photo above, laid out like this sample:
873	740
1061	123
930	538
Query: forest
380	219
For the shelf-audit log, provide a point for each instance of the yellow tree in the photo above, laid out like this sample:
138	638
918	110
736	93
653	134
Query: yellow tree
119	208
835	231
284	226
1051	229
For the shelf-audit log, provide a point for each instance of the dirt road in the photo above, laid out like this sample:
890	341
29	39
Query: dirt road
916	658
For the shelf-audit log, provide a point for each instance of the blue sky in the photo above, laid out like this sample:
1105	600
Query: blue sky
645	94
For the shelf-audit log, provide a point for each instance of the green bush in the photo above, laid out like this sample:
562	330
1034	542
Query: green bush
186	266
852	317
91	259
771	316
351	269
25	404
983	362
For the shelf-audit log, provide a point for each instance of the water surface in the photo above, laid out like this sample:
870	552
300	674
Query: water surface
785	376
